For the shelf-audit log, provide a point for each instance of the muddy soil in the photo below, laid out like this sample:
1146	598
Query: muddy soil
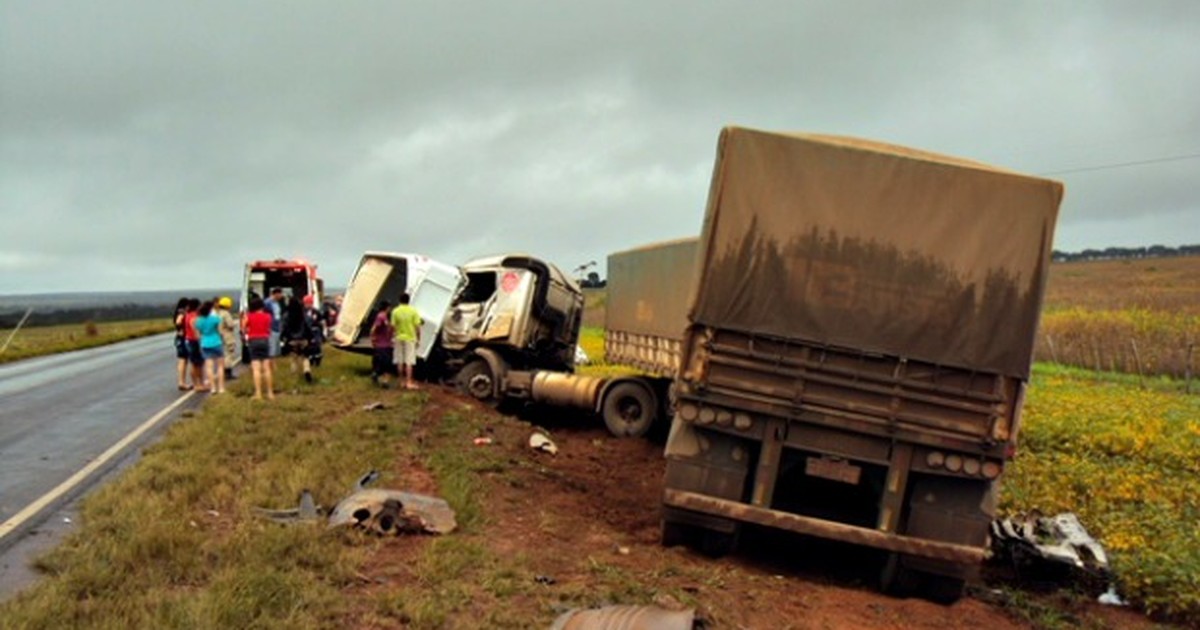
595	504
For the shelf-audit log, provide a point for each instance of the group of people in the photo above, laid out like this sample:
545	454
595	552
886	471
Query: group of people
206	337
205	334
395	334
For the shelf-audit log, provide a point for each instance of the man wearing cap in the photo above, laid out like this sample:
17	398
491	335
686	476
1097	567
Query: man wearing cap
229	335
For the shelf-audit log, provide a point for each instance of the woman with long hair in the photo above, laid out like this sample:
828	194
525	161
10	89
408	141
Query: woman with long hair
208	327
181	347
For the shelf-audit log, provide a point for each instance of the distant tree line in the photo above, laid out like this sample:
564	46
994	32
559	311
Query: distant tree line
114	313
1113	253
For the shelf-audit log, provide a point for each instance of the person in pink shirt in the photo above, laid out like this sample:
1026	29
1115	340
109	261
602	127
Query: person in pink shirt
381	341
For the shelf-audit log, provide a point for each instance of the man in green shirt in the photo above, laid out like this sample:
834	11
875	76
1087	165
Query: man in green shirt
406	321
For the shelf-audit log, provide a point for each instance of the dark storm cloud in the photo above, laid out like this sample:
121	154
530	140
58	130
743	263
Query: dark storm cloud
163	144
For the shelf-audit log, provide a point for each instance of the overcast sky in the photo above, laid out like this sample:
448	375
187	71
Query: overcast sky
161	145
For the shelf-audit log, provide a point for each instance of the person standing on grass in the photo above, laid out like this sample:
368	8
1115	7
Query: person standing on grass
257	325
316	328
406	322
382	361
208	327
181	347
229	334
297	335
195	357
274	307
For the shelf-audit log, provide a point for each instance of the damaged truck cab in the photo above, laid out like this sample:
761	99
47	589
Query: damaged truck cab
858	345
511	312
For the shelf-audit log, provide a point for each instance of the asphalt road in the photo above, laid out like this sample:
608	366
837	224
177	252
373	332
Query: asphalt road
59	413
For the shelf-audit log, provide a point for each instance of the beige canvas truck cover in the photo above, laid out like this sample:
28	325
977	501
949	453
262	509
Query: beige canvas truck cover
875	247
650	288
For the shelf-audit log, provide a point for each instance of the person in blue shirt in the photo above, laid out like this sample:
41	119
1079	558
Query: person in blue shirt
208	328
274	306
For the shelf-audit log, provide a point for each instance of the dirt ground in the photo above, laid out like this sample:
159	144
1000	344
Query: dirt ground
595	504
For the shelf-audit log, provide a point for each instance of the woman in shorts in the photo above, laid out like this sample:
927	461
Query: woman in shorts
181	347
208	327
256	324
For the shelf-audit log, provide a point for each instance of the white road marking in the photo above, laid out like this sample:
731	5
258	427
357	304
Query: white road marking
32	510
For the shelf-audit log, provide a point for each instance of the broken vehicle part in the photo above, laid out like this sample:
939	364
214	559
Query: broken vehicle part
626	618
540	442
307	512
1050	550
394	512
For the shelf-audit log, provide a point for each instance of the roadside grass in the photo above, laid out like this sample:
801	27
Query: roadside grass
174	543
1127	461
43	340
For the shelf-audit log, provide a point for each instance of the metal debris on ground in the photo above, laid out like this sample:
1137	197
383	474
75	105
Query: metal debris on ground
541	442
1047	550
381	511
307	512
394	512
375	406
482	441
626	618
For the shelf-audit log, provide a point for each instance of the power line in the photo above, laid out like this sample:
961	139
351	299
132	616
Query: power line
1085	169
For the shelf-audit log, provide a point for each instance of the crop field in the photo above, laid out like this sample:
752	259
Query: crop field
1133	316
1127	461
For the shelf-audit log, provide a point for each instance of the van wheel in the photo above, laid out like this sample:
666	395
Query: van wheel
477	381
629	409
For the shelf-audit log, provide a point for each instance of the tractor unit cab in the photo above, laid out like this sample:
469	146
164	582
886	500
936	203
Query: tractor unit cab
522	308
297	278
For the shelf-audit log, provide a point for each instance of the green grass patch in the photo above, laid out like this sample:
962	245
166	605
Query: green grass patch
38	341
1127	461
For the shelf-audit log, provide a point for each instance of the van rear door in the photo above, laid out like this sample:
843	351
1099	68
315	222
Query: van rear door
361	296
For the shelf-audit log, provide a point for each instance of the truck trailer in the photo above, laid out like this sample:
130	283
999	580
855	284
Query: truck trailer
858	341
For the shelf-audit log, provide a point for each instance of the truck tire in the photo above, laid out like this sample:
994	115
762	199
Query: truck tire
898	580
629	409
476	380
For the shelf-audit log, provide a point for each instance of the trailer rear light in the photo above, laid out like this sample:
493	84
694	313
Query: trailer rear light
972	466
707	415
954	463
742	421
991	470
724	418
935	459
689	412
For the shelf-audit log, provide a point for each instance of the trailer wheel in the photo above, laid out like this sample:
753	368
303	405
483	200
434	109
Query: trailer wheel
629	409
476	380
900	581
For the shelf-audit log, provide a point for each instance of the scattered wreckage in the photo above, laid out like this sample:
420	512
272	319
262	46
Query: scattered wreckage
1047	551
384	512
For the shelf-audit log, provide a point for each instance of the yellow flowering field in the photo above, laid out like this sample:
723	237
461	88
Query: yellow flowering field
1127	461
